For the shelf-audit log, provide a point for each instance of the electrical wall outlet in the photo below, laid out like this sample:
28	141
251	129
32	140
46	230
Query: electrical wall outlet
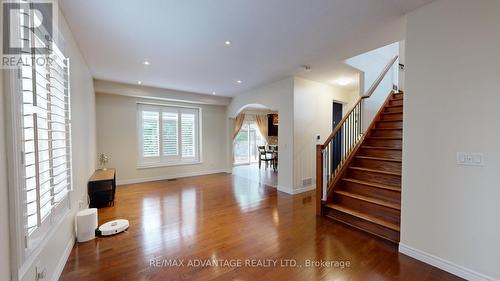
470	158
40	272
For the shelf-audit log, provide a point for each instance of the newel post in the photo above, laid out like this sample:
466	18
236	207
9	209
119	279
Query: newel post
319	178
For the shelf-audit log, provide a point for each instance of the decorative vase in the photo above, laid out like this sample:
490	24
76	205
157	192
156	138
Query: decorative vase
103	160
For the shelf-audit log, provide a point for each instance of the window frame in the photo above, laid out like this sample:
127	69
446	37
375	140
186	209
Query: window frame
165	161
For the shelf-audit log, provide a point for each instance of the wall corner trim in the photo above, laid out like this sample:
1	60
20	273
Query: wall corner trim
443	264
285	189
62	261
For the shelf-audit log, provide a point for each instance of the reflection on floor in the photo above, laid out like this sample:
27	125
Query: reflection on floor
252	172
246	230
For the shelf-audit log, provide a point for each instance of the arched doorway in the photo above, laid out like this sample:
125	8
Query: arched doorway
255	144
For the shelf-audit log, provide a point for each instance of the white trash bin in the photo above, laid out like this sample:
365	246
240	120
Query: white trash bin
86	224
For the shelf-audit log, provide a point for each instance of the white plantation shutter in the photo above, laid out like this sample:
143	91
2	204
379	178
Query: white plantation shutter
45	134
169	140
151	133
170	134
188	135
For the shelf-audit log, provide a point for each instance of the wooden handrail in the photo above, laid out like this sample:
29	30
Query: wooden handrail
368	94
380	78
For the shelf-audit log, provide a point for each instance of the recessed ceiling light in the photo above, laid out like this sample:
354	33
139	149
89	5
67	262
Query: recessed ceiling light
146	62
228	42
139	82
239	81
343	81
213	93
306	67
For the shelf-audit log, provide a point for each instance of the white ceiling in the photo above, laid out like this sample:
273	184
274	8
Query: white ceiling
184	39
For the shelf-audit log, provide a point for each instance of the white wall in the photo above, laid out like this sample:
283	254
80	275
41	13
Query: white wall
313	116
277	96
117	138
452	104
402	60
54	252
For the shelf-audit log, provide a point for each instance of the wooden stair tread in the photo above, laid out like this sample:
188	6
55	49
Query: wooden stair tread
378	158
388	129
394	98
369	199
382	147
394	106
389	113
389	120
363	216
386	138
377	185
375	171
394	120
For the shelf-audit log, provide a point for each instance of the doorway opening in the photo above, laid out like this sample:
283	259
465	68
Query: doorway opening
337	113
255	146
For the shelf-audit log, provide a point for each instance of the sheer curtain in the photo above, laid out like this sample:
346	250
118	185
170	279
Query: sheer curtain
261	121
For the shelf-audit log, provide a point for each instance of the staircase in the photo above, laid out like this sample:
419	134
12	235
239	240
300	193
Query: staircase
358	173
368	193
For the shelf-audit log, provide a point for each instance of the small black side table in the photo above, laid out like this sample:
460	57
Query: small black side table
101	188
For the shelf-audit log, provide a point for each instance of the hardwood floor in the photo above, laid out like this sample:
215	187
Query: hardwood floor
230	217
252	172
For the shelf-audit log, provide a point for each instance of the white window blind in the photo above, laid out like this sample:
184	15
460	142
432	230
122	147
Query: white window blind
151	133
188	135
46	133
168	135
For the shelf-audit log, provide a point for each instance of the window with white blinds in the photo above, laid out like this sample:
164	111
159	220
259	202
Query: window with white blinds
168	135
45	134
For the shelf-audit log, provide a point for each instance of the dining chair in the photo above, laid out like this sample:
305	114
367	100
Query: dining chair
264	155
274	151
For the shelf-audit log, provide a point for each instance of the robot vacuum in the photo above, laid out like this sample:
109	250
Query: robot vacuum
112	227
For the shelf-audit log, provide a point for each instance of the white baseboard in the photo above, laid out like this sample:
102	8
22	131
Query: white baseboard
285	189
443	264
295	191
304	189
168	177
62	261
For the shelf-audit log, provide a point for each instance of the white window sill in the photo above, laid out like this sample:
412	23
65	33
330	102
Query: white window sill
34	253
159	165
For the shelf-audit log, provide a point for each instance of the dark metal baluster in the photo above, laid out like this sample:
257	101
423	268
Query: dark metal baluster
326	165
344	142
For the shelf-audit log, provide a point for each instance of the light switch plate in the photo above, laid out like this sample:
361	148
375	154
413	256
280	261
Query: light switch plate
470	158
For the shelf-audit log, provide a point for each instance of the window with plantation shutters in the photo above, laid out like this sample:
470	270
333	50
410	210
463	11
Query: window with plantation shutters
43	136
168	135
